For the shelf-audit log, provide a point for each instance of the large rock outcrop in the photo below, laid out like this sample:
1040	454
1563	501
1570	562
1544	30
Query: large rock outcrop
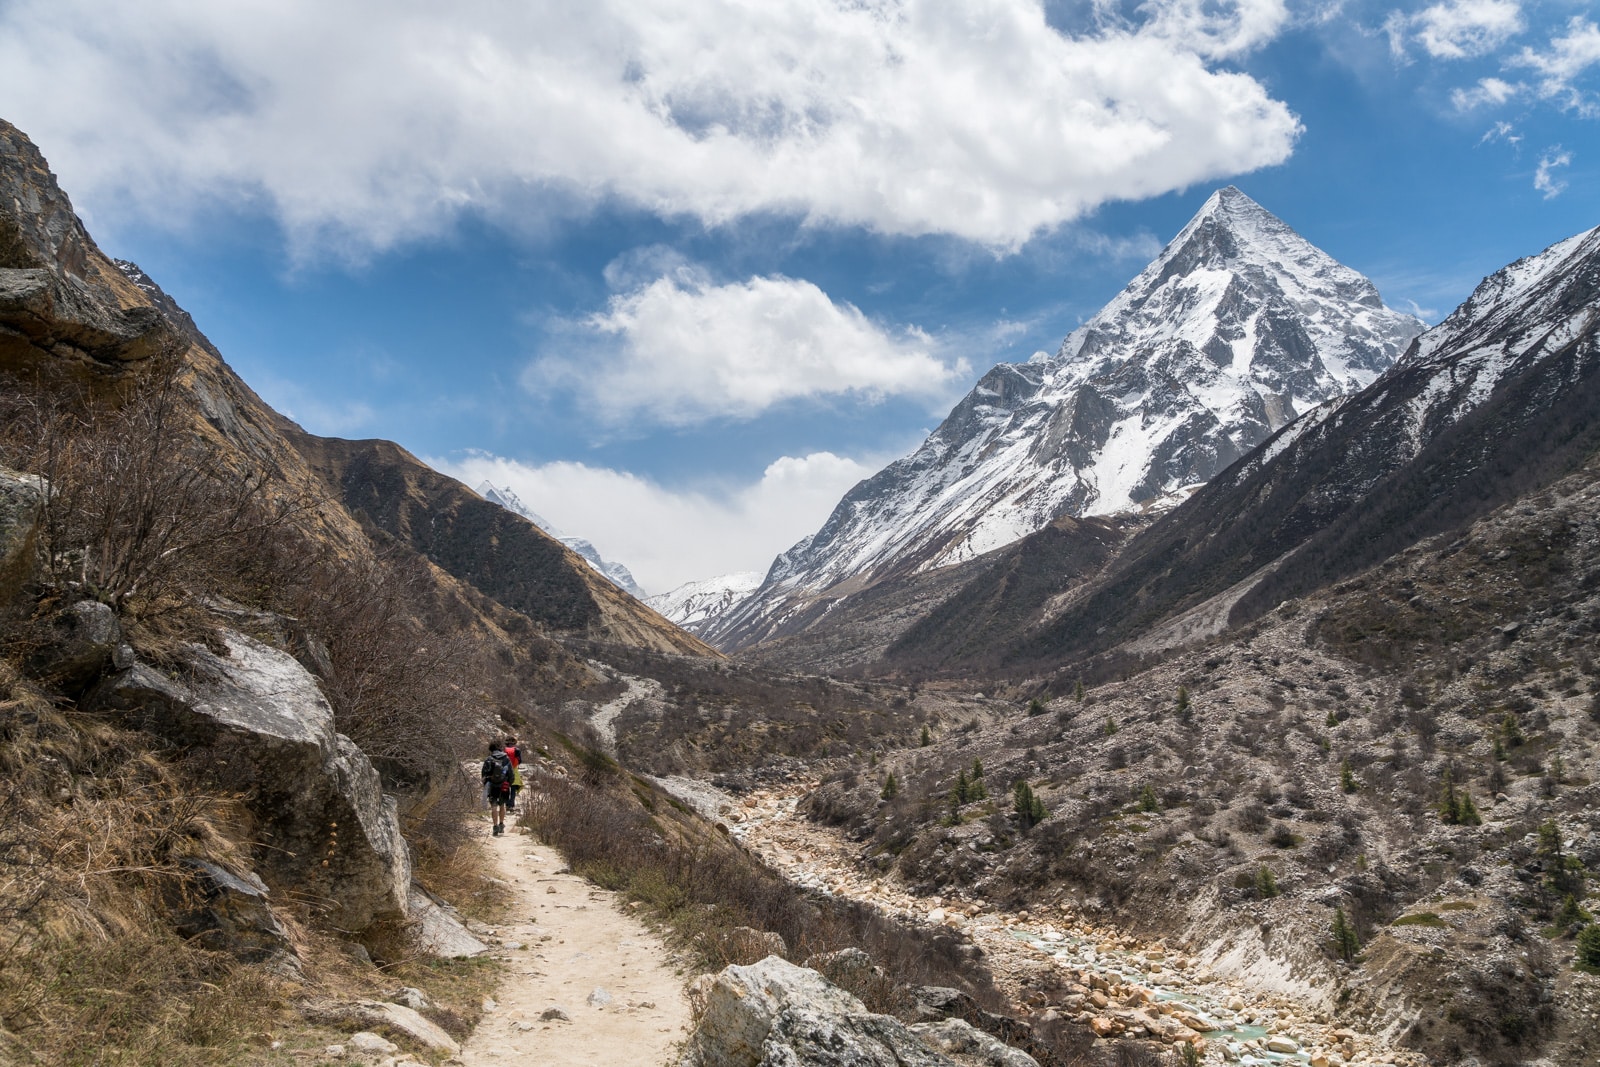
253	721
774	1014
20	496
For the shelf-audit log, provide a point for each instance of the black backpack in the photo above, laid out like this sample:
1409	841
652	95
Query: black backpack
497	771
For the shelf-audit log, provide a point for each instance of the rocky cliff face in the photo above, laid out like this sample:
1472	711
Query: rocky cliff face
1236	329
1494	402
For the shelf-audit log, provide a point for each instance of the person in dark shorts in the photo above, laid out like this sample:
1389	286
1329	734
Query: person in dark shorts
497	771
514	754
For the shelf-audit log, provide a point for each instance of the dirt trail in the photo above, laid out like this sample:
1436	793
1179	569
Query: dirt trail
572	949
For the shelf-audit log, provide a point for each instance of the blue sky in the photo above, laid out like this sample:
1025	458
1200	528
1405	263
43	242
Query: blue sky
679	273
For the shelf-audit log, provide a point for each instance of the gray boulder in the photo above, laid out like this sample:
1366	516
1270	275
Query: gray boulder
78	645
227	911
774	1014
968	1045
254	722
437	930
20	499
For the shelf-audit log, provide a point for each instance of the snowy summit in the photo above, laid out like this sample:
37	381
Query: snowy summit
1237	327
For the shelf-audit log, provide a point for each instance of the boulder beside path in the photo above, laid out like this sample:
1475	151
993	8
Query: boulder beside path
254	722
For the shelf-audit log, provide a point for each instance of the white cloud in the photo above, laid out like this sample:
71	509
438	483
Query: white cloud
1212	30
681	349
1488	91
1544	180
1564	62
369	122
1460	29
670	536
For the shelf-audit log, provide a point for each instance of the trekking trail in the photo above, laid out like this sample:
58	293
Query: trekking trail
587	984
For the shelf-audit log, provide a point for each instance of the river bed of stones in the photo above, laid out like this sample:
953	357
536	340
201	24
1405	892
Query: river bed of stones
1056	962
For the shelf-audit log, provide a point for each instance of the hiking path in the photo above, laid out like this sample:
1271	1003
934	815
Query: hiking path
587	984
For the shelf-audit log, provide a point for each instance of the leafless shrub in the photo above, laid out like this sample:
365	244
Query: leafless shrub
136	507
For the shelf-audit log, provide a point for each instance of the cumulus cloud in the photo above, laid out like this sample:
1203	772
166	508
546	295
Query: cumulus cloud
669	536
1544	179
366	123
1566	60
681	349
1489	91
1459	29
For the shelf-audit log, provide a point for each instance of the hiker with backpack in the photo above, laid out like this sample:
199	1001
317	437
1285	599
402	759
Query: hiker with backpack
514	754
497	772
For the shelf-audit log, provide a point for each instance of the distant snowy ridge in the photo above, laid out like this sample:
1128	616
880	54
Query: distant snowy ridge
692	604
1238	326
616	573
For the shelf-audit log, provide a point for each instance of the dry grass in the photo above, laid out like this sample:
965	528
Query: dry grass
91	831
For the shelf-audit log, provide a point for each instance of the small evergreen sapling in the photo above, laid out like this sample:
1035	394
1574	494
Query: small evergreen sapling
926	739
1029	809
1347	777
1266	883
1589	947
1345	941
891	787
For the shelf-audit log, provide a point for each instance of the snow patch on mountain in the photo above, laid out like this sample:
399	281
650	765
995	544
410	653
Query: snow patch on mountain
615	573
1236	329
693	604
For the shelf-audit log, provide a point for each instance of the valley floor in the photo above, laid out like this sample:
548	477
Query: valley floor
1126	986
587	984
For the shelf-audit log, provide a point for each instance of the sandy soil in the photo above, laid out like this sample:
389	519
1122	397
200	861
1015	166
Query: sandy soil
572	948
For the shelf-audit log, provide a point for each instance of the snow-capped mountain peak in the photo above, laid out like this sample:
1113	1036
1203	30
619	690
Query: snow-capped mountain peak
1235	329
692	604
616	573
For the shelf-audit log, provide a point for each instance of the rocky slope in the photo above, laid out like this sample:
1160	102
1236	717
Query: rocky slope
619	575
494	550
1238	327
1496	401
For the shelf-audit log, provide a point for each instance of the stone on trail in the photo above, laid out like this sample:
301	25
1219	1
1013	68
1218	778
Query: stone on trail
555	1015
774	1014
599	998
437	931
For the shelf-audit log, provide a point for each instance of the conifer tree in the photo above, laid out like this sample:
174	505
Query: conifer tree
1449	800
1347	777
891	787
1589	946
1345	941
926	739
1029	808
1266	883
1077	691
1148	800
